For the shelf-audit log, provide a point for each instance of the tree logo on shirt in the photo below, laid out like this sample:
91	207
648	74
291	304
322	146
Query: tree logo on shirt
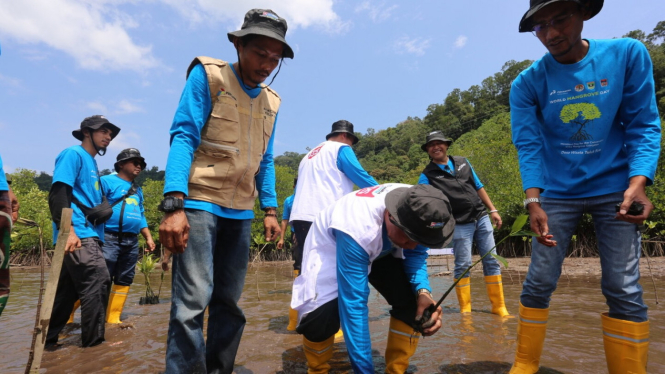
580	115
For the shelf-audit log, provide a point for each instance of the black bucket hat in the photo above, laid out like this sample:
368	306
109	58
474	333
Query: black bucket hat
343	126
423	213
535	5
435	135
126	155
267	23
95	123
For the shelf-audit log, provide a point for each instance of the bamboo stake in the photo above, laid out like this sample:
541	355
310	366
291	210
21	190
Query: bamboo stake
45	308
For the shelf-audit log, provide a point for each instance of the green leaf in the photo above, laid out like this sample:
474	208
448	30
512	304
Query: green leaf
523	233
519	223
500	259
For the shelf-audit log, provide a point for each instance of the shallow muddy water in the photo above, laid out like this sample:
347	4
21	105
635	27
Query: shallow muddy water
473	343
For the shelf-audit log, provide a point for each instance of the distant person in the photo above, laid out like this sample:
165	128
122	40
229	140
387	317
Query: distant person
296	250
6	205
84	276
121	243
325	174
455	177
221	159
587	132
385	229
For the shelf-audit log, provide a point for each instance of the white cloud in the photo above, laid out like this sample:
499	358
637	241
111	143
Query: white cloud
377	12
94	33
97	107
126	107
125	139
10	81
298	13
416	46
460	41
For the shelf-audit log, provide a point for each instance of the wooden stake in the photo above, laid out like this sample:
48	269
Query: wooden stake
44	316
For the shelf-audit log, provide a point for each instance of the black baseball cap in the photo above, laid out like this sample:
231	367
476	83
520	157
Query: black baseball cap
535	5
423	213
95	123
128	154
435	135
267	23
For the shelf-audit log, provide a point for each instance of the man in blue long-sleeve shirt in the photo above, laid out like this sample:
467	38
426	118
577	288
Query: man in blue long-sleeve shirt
587	132
377	235
220	160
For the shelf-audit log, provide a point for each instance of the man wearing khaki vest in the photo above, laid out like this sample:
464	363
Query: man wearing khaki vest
220	161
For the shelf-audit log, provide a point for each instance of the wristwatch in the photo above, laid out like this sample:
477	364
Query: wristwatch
531	200
171	204
423	291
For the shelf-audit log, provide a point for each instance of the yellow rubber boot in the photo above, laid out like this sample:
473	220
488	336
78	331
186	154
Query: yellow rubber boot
463	290
339	335
531	329
402	344
318	355
116	303
77	304
626	345
495	293
293	314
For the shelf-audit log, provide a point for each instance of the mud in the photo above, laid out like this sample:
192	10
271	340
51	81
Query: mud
472	343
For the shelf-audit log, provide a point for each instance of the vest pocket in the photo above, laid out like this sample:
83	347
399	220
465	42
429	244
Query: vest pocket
268	124
223	124
212	164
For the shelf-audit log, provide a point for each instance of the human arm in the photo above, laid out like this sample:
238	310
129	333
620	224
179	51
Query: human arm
415	267
422	179
190	117
60	197
494	213
5	206
353	291
639	115
14	204
538	219
265	184
148	239
280	242
347	163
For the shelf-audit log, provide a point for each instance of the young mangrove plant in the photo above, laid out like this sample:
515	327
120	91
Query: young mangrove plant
146	265
516	230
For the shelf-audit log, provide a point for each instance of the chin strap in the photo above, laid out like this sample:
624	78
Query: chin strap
100	151
242	80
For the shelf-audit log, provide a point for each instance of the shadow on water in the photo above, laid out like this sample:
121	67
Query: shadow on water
477	342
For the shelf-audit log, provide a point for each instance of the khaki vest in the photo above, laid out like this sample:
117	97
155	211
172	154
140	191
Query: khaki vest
233	140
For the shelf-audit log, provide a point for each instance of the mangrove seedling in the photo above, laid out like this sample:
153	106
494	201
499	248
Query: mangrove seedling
516	230
146	266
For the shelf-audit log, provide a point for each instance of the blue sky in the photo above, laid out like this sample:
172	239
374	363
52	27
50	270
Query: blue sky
373	63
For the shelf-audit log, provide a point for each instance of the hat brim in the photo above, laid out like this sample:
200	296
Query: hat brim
437	239
117	163
525	22
288	51
355	138
424	146
115	130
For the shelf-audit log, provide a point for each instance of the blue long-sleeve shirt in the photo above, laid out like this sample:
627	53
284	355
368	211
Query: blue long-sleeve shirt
190	117
353	292
348	163
3	181
584	129
450	168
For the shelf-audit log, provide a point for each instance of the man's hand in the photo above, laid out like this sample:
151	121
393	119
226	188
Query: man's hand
280	243
174	231
165	260
14	203
496	219
73	241
434	323
636	192
538	219
272	228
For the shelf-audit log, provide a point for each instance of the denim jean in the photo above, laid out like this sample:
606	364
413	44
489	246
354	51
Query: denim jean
121	256
482	233
210	273
618	244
